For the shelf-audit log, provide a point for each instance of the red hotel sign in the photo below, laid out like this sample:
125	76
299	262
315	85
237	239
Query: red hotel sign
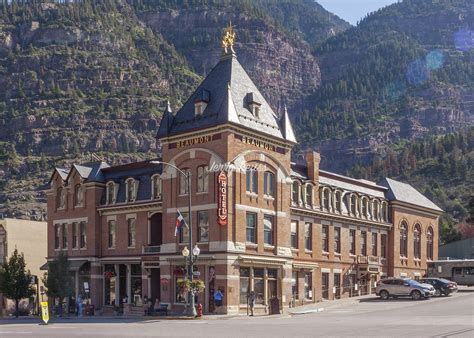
222	198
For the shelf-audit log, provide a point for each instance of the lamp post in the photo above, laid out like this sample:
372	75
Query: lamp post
190	257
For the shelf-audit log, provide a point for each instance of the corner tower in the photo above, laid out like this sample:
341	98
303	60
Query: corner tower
227	131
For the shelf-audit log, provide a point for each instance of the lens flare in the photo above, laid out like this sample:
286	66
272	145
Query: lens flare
395	90
417	72
435	59
464	39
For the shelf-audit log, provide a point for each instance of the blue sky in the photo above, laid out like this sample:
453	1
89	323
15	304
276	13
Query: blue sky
353	10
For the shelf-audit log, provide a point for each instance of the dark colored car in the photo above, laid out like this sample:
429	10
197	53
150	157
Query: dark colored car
442	286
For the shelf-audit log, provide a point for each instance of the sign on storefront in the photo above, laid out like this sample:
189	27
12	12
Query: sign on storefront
222	198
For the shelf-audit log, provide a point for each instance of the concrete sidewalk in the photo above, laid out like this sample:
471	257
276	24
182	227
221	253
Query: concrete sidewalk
327	304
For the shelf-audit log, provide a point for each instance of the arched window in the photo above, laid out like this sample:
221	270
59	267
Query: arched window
131	189
309	194
78	195
417	241
60	198
203	178
376	210
403	239
269	184
326	195
157	187
337	202
353	204
295	191
110	193
429	243
365	205
252	180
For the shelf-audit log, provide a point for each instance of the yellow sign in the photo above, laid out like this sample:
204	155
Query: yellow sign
45	312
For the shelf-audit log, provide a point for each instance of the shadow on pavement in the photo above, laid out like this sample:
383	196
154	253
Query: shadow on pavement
391	300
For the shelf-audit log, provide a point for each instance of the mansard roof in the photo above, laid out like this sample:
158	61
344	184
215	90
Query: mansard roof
403	192
229	94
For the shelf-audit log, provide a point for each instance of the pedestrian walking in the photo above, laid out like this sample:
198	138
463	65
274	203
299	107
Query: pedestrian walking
251	301
218	297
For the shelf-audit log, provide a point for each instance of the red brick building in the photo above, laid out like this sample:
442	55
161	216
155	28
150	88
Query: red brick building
282	229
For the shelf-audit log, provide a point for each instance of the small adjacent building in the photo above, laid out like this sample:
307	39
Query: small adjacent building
30	238
264	220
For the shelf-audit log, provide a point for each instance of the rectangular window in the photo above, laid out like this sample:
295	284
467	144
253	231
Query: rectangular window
184	233
269	184
244	284
64	231
337	240
83	230
203	179
112	225
203	217
308	285
251	227
268	230
251	180
374	244
294	234
308	236
57	233
383	246
363	243
325	238
258	285
74	235
183	182
131	232
325	285
352	235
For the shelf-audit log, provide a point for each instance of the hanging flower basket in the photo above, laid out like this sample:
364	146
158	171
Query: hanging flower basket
195	286
179	271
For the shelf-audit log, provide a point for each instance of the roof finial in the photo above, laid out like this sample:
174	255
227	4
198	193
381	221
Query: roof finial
228	38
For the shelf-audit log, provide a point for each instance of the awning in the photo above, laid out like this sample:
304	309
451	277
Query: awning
73	265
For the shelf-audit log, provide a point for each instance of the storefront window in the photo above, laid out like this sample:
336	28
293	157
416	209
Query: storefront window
84	281
136	284
180	296
258	286
244	284
272	283
308	285
110	280
294	285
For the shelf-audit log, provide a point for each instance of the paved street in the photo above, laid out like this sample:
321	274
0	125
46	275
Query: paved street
437	317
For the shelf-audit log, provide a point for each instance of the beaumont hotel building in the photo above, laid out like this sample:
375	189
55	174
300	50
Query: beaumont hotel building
288	230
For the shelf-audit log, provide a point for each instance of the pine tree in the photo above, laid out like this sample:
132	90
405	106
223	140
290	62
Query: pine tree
15	279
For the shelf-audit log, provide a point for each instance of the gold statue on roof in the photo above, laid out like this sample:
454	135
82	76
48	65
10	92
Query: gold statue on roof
228	38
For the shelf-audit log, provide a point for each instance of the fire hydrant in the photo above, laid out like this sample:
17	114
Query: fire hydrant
199	310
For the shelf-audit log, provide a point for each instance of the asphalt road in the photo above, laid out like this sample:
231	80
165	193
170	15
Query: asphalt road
437	317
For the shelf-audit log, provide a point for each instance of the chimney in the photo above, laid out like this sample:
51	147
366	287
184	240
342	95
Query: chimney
312	161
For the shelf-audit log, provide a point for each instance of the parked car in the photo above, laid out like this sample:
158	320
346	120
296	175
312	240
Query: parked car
442	286
403	287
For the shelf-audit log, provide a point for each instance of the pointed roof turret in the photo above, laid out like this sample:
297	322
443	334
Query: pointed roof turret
166	122
287	129
230	97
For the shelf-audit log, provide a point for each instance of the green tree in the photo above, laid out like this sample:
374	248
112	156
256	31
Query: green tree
58	280
15	279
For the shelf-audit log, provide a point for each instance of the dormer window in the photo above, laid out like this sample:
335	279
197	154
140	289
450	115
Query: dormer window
254	104
200	102
111	193
131	189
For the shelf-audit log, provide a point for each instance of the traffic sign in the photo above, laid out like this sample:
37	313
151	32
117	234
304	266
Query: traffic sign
196	273
45	312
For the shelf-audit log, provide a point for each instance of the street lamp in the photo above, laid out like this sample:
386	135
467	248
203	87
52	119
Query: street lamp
190	257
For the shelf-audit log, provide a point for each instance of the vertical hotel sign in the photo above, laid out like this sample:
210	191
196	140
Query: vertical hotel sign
222	198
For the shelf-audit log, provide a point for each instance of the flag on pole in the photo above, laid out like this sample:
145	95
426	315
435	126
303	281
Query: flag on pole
180	223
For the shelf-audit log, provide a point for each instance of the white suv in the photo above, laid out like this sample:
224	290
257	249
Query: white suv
403	287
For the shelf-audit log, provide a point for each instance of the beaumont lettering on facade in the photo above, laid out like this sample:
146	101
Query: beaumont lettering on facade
264	222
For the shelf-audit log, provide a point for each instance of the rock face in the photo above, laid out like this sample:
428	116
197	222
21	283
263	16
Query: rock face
284	68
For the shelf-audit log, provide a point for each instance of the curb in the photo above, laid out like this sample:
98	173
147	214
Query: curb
304	312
